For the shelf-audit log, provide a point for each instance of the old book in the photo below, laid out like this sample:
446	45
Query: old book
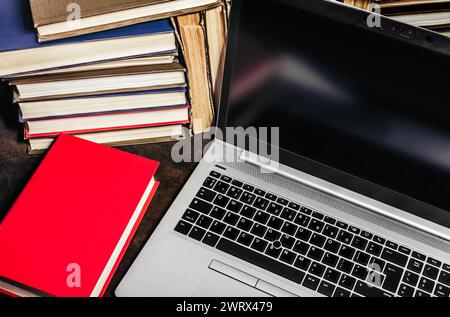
51	17
216	23
193	40
99	82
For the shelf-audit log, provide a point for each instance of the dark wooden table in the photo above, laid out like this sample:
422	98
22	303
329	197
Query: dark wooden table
16	168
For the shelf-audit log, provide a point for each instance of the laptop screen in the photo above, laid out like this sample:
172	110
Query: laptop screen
346	97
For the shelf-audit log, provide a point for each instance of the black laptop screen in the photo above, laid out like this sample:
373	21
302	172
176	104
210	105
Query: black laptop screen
348	98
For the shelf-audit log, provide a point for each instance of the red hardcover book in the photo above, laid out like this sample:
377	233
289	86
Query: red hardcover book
68	230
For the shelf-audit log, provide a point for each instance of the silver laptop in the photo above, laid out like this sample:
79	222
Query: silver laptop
330	171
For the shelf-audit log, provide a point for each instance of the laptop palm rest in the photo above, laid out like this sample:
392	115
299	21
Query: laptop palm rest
222	280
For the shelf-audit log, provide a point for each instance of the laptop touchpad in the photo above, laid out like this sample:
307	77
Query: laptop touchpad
215	284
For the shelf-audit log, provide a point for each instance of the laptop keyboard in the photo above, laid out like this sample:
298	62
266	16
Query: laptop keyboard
305	246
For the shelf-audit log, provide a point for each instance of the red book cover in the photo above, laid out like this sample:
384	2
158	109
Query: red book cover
68	230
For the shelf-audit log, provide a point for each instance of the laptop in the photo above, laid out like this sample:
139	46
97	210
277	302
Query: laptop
346	193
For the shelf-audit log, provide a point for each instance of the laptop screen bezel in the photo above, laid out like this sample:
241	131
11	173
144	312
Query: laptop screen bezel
356	18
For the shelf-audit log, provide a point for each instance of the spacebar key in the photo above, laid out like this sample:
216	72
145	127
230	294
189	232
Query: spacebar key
260	260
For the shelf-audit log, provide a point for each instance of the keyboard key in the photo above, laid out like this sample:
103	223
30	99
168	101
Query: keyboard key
410	278
259	230
275	223
287	256
274	209
394	257
420	293
316	225
345	266
261	217
282	201
234	192
360	272
330	259
347	281
211	239
340	292
221	201
426	285
306	211
248	212
315	253
444	278
287	241
301	247
446	267
430	272
377	264
191	216
197	233
317	240
273	252
248	198
237	183
434	262
245	224
369	291
392	245
288	214
259	245
271	197
183	227
231	218
221	187
317	269
419	256
218	227
347	252
318	215
342	225
248	188
303	234
415	266
226	179
311	282
231	233
302	263
218	213
354	230
215	174
332	246
367	235
201	206
374	248
272	235
442	291
260	192
294	206
326	289
359	243
289	228
404	250
362	258
345	237
206	194
330	220
332	275
302	220
330	231
379	240
393	276
261	203
405	291
235	206
260	260
210	182
204	222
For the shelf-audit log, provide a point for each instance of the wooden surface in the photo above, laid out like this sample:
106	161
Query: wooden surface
16	168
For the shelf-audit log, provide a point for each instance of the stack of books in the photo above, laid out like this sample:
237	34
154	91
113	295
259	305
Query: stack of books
119	73
430	14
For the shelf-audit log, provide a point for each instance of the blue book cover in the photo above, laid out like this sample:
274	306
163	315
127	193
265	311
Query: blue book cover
17	31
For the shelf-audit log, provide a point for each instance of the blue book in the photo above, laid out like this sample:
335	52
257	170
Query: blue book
20	52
